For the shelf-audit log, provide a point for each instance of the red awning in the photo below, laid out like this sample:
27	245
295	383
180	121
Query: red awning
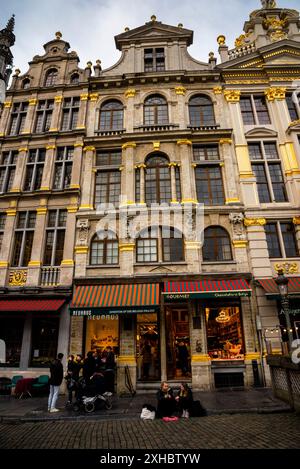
31	305
271	288
207	288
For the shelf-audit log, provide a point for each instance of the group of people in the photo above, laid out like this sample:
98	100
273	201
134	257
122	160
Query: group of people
168	404
97	369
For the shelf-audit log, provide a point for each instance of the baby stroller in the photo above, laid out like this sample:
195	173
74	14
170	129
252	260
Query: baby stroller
89	400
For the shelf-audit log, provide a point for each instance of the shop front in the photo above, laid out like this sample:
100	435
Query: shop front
198	331
32	332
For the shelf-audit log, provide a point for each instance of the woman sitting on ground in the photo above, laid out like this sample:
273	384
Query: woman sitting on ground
184	400
166	404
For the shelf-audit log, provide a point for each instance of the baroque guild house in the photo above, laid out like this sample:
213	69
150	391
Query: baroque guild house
150	206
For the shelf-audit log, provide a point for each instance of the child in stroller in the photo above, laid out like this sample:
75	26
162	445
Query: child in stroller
92	396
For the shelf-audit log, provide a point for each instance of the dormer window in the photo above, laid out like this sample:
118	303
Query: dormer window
74	79
154	60
26	84
51	77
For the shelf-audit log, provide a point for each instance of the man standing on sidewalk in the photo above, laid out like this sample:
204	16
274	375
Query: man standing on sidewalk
56	377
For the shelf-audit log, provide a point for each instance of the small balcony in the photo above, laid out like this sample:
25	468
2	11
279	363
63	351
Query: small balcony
204	128
156	128
50	276
110	133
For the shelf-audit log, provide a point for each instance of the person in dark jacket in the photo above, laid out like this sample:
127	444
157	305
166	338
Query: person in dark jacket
89	366
110	369
73	369
56	377
184	400
166	404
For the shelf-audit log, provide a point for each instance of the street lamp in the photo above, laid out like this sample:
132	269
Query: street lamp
283	286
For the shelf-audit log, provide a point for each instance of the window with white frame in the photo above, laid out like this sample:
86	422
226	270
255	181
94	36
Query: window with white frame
108	177
34	169
104	250
160	244
63	168
7	170
266	166
55	237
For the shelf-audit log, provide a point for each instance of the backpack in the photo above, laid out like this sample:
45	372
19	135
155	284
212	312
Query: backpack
197	410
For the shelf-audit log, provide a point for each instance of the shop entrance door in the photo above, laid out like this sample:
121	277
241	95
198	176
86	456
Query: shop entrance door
148	348
178	343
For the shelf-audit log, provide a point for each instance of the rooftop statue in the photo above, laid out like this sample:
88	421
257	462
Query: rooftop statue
268	3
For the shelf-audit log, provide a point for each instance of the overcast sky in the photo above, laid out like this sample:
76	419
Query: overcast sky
90	25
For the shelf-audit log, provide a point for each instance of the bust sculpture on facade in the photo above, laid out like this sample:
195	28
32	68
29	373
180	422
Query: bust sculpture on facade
268	4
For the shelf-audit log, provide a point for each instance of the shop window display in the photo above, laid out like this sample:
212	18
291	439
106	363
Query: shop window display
44	341
11	333
102	331
148	347
224	333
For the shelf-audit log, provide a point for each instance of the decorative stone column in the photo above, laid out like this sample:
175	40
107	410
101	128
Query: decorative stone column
128	175
251	340
81	248
127	355
172	167
82	110
76	335
29	122
129	114
126	258
231	189
192	256
247	178
67	265
239	241
5	118
280	113
6	244
87	179
20	170
34	266
180	92
56	114
141	168
76	168
48	167
200	360
187	176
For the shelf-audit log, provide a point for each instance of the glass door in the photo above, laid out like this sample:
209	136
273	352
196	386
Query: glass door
178	343
148	355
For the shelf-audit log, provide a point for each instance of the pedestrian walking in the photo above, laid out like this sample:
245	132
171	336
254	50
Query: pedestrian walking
56	377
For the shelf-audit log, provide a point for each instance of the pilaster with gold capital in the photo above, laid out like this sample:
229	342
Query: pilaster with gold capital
229	171
20	170
275	93
180	92
77	163
67	268
5	118
128	175
34	266
187	177
88	178
49	167
232	96
6	246
57	109
81	122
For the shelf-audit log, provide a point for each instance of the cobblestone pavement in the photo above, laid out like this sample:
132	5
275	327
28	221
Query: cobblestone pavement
253	431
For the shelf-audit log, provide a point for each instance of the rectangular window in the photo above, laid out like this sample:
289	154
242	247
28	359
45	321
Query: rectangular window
2	227
44	116
281	240
7	170
209	185
108	187
254	110
206	153
154	60
266	166
63	168
55	237
147	250
109	158
24	233
18	117
70	113
44	341
292	107
34	169
12	335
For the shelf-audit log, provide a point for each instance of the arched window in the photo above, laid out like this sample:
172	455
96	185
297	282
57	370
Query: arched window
217	246
111	116
26	84
155	111
157	179
74	79
104	249
51	77
201	111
